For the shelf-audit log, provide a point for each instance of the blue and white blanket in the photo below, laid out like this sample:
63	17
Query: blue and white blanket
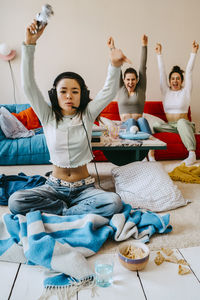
61	244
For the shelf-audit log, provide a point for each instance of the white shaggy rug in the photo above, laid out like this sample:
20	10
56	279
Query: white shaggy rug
185	220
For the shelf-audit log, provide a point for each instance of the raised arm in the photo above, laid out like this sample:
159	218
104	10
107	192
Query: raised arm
189	68
111	86
111	45
163	78
143	61
117	57
33	94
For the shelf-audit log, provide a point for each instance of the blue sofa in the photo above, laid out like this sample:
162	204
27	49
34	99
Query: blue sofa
24	151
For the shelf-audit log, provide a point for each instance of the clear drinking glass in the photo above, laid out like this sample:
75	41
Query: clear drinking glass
104	270
113	131
122	129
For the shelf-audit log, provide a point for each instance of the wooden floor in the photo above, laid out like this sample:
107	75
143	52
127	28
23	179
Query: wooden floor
22	282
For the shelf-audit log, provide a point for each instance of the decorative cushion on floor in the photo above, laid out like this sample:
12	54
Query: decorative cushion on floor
147	185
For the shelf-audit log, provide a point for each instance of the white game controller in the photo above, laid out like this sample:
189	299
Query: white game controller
44	15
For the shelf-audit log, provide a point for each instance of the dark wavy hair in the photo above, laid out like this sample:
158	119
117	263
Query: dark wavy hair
176	69
84	99
132	71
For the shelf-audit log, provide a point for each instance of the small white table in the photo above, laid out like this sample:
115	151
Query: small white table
122	151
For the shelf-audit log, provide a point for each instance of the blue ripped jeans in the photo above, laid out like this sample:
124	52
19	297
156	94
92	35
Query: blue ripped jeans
141	123
61	200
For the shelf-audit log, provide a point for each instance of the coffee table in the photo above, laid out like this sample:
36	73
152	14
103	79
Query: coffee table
121	151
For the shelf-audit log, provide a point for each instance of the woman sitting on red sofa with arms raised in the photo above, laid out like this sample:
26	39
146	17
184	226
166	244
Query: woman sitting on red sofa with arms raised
176	102
132	93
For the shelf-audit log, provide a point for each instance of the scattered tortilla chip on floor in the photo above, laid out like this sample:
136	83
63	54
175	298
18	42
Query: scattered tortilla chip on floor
172	259
183	270
159	259
167	251
182	262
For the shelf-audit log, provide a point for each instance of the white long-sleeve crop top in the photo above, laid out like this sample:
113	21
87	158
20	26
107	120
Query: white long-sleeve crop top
67	141
175	102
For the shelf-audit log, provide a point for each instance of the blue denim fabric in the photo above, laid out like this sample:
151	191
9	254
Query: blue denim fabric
61	200
141	123
11	183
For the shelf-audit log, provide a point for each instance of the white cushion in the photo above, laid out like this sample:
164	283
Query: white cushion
107	122
12	127
152	120
147	185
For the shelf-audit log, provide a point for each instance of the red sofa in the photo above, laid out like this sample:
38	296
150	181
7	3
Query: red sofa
175	148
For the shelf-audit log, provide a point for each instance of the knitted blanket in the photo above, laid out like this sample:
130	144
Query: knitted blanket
61	244
186	174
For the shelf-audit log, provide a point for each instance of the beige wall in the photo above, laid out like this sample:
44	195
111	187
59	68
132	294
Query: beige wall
75	39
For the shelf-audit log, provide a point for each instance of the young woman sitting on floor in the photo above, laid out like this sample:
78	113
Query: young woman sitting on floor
67	125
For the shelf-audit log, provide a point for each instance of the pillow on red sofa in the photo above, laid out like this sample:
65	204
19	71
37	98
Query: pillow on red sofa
152	120
155	108
111	111
28	118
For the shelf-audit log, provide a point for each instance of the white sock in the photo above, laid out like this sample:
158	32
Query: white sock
191	159
145	159
151	158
